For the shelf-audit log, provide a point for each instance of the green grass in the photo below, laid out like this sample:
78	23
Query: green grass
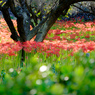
72	75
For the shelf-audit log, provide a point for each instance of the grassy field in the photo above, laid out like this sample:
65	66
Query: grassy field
63	65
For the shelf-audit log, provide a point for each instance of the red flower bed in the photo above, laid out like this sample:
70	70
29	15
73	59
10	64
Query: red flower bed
74	37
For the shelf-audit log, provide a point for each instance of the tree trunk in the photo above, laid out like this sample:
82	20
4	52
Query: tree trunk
7	18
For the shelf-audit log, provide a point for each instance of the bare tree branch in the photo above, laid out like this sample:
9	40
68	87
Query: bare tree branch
84	10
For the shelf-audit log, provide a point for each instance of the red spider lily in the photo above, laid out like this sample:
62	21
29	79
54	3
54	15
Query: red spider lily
72	36
89	24
87	36
11	53
56	37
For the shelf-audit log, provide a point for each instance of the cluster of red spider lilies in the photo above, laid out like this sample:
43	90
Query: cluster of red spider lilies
67	36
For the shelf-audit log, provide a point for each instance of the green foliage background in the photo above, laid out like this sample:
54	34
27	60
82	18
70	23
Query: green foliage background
74	75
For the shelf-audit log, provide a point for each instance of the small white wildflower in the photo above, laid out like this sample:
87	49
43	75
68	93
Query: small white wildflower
43	68
44	75
66	78
91	61
39	82
11	70
33	91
